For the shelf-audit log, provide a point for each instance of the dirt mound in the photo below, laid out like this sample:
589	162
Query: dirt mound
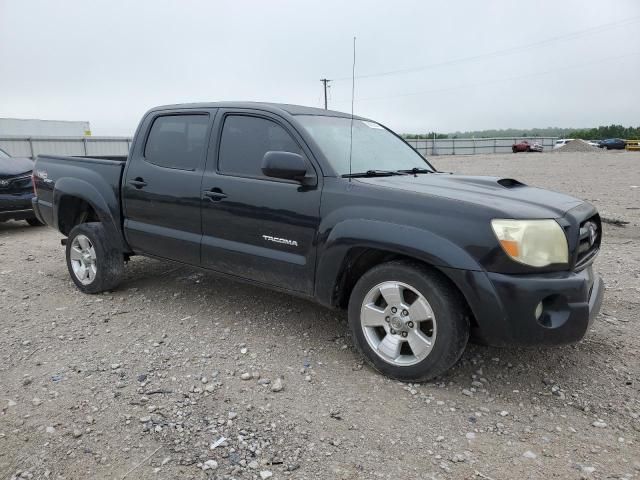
577	146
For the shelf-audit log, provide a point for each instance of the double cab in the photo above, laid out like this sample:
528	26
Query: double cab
340	210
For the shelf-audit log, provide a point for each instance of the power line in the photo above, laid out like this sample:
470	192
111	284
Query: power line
498	80
499	53
325	82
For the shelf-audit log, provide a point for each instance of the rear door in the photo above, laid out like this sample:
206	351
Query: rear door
161	191
255	227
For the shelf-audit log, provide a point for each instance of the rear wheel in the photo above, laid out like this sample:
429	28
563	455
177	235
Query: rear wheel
94	264
34	222
408	321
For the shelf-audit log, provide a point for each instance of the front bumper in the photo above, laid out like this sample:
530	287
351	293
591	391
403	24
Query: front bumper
16	215
16	206
504	306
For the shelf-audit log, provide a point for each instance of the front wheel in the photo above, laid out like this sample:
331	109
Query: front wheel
409	322
95	265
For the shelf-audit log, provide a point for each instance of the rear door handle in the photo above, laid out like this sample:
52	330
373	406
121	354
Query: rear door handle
215	194
138	182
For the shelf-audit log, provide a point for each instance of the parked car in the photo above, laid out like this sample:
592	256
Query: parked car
525	146
338	210
613	144
16	189
561	142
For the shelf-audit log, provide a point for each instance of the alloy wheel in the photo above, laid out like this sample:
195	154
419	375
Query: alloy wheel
398	323
83	259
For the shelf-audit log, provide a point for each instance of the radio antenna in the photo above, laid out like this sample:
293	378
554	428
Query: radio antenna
353	91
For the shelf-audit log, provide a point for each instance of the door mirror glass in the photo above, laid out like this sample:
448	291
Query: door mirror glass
286	165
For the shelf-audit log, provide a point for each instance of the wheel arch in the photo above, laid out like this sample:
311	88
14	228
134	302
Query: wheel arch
356	246
78	201
71	211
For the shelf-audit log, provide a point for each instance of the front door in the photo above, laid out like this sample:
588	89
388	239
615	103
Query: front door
161	191
255	227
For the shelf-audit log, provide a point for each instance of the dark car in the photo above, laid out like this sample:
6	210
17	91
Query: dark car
16	189
338	210
613	144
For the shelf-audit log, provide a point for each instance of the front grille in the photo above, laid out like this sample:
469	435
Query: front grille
588	241
15	184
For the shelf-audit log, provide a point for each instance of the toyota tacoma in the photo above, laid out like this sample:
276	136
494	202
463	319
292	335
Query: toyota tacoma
340	210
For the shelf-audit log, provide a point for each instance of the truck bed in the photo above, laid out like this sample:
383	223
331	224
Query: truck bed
95	180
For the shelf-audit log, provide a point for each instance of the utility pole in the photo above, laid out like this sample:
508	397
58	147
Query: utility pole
325	82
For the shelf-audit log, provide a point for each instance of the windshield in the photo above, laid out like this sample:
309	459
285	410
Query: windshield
374	147
4	154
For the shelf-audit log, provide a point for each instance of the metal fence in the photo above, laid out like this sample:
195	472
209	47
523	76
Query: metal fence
33	146
78	146
471	146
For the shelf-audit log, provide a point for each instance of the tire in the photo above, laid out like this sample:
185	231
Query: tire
88	246
34	222
514	149
425	293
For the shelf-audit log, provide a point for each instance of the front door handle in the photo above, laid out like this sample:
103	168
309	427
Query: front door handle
138	182
215	194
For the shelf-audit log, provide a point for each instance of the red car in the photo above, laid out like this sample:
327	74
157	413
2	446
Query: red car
525	146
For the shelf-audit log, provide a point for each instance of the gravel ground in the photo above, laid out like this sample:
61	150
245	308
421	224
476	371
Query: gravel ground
179	374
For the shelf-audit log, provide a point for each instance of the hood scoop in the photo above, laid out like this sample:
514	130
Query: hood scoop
510	183
487	182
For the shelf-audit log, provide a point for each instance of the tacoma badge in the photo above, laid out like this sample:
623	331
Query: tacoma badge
269	238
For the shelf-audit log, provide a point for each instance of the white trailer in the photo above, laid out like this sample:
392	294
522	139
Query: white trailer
26	127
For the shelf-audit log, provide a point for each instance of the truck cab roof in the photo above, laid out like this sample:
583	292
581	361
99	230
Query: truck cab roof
279	108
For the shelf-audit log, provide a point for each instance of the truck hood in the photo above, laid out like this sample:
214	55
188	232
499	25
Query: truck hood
10	167
511	197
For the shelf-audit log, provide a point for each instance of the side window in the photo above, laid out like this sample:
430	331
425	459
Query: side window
177	141
246	139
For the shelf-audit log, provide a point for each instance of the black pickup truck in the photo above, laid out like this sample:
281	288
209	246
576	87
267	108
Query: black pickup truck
339	210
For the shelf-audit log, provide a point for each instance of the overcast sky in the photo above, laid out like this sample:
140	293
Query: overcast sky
473	65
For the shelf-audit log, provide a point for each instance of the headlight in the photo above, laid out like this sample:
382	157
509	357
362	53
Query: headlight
533	242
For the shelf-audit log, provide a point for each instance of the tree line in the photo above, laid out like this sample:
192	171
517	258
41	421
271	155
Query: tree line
597	133
612	131
414	136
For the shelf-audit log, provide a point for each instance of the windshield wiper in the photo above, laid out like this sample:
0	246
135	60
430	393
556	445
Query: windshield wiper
416	170
373	173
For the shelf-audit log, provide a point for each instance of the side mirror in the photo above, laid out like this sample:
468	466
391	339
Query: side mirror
287	165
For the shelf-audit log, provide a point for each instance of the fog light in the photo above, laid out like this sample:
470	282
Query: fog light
538	311
553	311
